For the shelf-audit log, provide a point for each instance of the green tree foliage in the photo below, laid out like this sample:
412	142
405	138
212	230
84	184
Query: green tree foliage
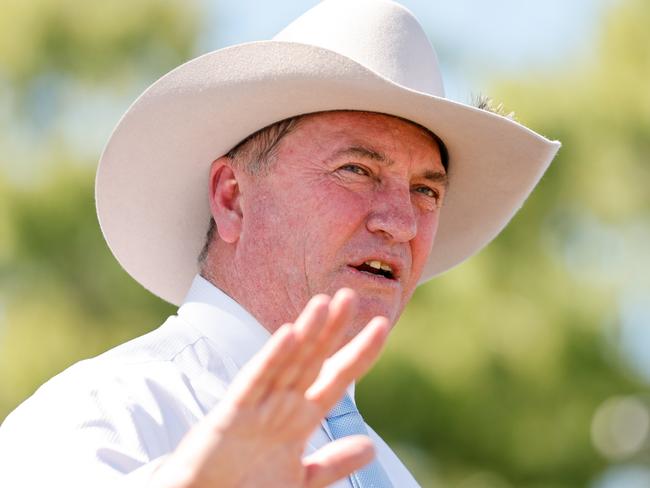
95	41
497	368
494	373
62	295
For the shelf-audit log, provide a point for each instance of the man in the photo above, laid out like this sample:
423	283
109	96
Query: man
335	151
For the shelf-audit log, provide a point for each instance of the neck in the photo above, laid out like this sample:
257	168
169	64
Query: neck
255	290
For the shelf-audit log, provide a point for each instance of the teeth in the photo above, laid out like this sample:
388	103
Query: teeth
379	265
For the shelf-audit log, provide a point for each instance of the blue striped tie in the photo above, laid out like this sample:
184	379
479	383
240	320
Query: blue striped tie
344	420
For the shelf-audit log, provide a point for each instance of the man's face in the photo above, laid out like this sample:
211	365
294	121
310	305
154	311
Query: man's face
349	192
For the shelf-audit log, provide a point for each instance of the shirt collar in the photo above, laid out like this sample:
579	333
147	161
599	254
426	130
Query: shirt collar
225	322
222	320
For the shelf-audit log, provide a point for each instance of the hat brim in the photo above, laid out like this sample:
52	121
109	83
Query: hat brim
152	179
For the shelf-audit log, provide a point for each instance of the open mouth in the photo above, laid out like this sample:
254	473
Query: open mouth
376	268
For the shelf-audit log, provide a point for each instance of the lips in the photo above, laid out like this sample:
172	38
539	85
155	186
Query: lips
377	268
381	267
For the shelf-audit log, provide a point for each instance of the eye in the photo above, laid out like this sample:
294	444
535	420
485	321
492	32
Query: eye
429	192
356	169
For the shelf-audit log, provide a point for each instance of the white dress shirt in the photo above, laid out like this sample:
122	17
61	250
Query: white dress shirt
110	420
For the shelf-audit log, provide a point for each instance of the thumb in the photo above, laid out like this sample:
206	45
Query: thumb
337	460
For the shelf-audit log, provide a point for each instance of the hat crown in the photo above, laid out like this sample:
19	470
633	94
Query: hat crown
380	34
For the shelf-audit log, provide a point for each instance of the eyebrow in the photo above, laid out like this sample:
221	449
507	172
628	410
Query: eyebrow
437	177
365	152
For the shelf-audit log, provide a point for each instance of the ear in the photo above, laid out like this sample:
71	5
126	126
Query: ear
225	198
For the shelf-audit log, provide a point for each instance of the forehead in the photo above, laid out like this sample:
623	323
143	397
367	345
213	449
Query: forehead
329	132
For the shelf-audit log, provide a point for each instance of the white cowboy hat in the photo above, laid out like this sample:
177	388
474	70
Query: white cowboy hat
367	55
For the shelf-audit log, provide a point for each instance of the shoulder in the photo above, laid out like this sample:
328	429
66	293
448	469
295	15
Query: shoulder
130	404
173	357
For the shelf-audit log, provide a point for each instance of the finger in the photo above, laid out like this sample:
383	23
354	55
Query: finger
348	364
258	375
342	309
337	459
307	330
306	327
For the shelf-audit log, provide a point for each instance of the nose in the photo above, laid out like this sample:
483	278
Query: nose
393	215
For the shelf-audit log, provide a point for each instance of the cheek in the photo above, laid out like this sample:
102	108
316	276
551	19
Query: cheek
337	208
271	228
421	245
332	223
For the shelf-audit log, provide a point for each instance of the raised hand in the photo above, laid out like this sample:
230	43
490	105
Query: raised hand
257	434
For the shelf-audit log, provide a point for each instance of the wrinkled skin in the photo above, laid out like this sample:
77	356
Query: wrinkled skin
346	188
329	203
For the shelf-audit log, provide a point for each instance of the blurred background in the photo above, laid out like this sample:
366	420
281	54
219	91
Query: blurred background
527	366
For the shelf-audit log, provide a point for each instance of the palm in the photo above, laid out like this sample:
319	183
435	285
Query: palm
257	435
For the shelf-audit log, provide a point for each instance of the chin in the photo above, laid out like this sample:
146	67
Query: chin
370	307
373	301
